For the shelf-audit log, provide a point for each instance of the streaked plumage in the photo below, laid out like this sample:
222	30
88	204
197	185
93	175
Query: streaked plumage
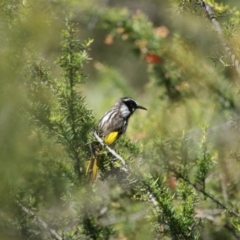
111	126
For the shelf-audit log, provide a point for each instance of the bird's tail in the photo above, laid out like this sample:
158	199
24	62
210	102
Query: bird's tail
92	168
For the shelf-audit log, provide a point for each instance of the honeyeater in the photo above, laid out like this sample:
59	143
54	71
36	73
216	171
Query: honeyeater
110	127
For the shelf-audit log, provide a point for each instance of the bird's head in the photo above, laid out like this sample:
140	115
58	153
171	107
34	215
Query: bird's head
128	106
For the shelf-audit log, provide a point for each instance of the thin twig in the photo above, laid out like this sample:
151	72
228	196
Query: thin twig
39	220
125	167
178	175
210	13
152	198
211	216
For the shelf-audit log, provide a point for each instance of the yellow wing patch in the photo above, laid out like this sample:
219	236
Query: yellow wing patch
111	137
92	167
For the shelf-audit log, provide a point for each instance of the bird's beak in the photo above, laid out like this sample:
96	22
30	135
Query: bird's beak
141	107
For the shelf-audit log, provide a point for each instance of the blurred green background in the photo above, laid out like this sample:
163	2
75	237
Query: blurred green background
190	86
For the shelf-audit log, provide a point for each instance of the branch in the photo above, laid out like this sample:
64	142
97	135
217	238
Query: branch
39	220
179	175
211	216
125	167
210	13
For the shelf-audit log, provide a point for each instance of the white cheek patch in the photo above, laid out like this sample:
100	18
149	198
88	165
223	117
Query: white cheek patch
124	111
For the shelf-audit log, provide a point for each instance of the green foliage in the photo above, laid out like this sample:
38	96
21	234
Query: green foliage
182	181
204	163
176	212
57	105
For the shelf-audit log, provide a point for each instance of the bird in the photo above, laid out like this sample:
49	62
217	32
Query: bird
111	126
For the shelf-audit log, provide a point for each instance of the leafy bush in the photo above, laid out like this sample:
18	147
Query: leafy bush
174	175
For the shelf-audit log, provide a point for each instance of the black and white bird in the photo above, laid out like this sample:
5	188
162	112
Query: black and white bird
111	126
